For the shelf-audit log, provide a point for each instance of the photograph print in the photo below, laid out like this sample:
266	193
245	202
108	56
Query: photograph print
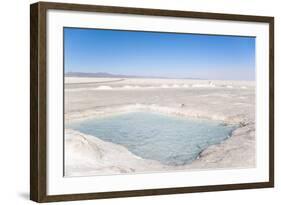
145	102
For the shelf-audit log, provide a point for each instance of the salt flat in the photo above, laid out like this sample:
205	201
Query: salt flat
228	101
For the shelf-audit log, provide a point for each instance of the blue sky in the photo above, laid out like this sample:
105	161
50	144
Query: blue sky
159	54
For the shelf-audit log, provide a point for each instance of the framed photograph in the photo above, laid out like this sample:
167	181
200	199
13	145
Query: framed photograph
134	102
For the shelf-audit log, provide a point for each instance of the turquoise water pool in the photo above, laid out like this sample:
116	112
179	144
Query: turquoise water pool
169	139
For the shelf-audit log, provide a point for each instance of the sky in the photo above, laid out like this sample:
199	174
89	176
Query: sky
156	54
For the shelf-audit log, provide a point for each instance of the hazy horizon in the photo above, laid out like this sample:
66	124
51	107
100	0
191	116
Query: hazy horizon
117	75
154	54
124	75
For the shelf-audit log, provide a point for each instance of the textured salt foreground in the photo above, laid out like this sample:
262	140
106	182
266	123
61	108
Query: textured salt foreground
232	102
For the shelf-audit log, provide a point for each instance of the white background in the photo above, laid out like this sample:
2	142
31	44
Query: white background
14	108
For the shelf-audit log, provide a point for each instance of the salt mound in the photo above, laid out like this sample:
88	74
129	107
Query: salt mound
80	146
104	87
164	86
127	87
176	86
209	85
87	155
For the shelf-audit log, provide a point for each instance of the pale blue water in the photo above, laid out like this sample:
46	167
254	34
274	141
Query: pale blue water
168	139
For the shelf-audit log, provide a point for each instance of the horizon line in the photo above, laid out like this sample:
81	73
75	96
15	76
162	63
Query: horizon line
114	75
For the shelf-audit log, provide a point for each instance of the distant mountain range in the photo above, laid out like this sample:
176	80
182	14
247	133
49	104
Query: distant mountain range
98	75
110	75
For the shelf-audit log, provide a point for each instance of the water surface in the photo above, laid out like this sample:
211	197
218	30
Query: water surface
171	140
